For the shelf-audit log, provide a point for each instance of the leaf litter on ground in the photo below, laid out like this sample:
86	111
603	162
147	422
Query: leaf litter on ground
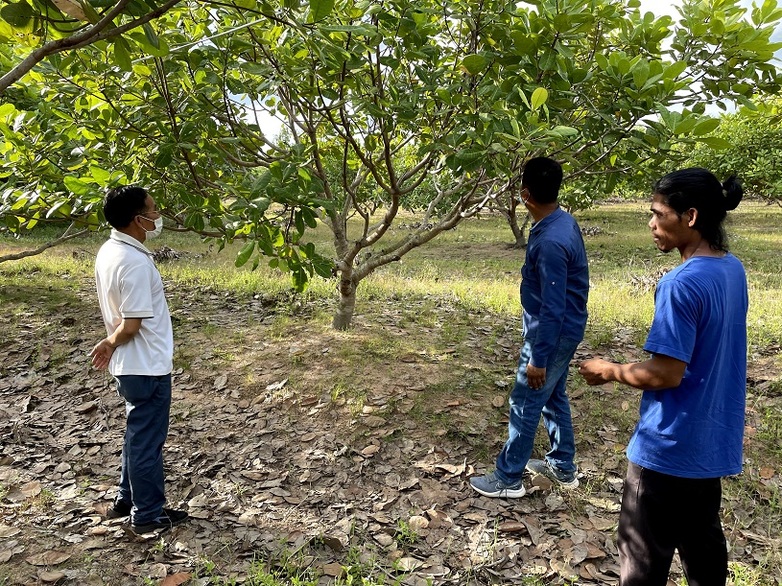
317	458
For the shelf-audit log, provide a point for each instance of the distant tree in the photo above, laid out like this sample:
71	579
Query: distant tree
749	144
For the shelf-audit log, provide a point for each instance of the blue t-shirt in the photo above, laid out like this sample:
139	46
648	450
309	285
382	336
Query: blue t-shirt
696	430
554	285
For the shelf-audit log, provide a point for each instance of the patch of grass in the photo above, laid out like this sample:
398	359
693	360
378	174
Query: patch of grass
741	574
283	569
353	398
470	266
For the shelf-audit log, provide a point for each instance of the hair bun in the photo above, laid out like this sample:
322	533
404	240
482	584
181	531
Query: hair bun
733	192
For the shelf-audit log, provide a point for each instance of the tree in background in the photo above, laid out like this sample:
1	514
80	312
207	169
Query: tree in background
429	107
750	142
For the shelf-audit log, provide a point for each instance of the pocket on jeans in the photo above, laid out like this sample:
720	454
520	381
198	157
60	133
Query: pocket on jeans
135	388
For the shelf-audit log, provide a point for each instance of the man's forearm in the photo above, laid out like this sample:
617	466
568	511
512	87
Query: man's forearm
125	332
659	372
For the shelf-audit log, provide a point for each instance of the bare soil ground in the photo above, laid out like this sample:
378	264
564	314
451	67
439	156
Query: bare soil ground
313	452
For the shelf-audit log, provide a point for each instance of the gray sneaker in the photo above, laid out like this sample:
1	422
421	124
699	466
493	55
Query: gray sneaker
490	485
564	479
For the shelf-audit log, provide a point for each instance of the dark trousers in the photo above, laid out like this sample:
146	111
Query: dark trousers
147	406
662	513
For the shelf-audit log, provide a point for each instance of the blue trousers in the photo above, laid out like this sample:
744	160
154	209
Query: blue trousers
526	407
147	407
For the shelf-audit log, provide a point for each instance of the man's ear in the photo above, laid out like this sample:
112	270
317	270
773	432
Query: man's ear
693	213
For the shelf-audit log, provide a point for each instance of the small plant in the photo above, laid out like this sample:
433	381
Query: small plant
285	569
157	550
358	569
45	499
204	567
744	575
405	535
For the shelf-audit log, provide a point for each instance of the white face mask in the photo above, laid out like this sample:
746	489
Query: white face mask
158	227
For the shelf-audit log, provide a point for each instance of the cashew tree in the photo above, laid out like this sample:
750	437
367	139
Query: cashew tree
428	107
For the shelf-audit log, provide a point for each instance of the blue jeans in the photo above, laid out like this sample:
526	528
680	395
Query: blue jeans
526	407
147	407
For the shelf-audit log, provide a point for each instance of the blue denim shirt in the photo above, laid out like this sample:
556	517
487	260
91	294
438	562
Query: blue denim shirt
554	285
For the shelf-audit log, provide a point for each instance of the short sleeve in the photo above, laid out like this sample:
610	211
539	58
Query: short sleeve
135	285
674	328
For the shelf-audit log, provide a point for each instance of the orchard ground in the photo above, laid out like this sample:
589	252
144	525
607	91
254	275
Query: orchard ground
311	456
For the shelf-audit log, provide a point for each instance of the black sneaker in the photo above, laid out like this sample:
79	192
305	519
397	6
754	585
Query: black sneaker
119	509
167	519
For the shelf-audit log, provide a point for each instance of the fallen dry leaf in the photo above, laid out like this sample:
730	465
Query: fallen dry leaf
175	579
48	558
8	531
409	564
333	570
51	577
418	523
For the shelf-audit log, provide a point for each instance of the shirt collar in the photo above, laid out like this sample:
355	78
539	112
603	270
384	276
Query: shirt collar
547	219
129	240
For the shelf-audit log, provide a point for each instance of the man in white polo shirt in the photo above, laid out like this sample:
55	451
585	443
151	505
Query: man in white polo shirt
138	352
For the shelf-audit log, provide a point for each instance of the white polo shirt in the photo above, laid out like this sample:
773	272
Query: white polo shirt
129	285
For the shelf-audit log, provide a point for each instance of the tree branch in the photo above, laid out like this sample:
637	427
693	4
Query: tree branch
81	39
26	253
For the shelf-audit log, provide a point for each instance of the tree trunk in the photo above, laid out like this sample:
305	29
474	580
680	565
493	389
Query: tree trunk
519	232
347	302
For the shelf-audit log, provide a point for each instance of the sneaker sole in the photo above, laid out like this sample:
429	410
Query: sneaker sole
505	493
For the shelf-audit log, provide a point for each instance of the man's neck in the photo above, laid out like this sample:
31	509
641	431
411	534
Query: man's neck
540	211
138	234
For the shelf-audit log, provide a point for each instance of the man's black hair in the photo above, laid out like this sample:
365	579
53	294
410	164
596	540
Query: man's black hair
122	204
698	188
542	176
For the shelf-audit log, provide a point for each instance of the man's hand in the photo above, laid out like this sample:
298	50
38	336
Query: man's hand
101	354
536	377
596	371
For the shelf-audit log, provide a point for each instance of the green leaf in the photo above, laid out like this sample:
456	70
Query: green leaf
539	97
474	64
244	254
640	73
298	220
18	14
674	70
564	131
706	126
164	156
309	217
320	9
152	37
7	110
76	185
715	142
122	54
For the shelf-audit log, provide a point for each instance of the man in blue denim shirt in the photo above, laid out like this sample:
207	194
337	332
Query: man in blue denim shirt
554	288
